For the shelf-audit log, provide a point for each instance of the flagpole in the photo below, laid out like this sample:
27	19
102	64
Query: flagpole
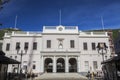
15	22
59	17
102	23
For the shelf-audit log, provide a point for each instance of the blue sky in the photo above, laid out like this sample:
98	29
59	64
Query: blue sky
34	14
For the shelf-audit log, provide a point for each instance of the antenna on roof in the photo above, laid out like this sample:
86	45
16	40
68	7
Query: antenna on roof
15	22
102	23
60	17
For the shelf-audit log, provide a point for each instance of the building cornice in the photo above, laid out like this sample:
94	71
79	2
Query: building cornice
60	51
60	33
93	36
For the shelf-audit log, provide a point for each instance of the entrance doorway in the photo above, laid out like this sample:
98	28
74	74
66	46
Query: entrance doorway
48	65
72	65
60	65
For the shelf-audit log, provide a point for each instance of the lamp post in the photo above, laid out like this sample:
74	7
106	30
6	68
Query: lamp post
102	49
21	55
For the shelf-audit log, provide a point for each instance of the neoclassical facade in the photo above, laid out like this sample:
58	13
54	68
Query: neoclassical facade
56	49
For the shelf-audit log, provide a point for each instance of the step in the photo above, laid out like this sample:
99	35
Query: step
61	76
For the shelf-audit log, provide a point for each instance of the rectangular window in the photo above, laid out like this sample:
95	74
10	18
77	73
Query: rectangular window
10	56
93	46
25	67
17	45
72	44
15	57
95	66
0	67
34	66
1	46
86	65
24	61
7	46
85	46
48	43
35	46
26	45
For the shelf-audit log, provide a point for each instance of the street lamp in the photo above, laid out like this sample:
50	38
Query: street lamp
21	54
102	49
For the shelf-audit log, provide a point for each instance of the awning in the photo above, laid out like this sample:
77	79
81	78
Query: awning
6	60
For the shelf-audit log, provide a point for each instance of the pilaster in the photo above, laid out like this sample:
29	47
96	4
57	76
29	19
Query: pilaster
78	64
54	64
66	64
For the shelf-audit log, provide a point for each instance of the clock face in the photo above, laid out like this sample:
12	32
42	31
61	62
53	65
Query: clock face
60	28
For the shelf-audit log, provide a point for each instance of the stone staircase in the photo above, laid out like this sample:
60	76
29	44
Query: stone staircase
61	76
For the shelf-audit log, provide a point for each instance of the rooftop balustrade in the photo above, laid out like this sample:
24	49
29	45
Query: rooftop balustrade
22	33
93	33
56	29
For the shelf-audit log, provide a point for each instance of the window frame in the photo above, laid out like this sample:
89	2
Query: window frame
95	65
48	44
26	45
85	46
1	44
17	44
34	66
72	43
7	46
86	65
93	45
34	45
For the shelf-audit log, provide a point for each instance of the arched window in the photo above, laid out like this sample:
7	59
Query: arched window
72	65
60	65
48	65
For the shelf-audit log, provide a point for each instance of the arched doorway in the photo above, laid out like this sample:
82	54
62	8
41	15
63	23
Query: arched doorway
48	65
60	65
72	65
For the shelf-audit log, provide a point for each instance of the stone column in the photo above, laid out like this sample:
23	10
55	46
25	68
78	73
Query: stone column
66	65
54	64
78	64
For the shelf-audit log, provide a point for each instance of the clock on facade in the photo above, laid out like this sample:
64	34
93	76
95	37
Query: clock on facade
60	29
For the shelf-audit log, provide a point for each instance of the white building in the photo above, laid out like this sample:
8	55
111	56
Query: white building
56	49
